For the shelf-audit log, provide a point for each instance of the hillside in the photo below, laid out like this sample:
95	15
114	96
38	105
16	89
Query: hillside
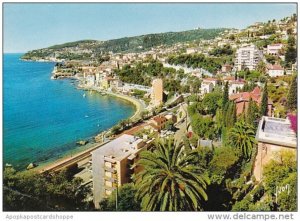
85	48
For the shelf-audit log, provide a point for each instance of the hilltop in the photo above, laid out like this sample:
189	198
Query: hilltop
91	48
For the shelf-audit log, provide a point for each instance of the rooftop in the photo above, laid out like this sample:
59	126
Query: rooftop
159	118
276	131
275	67
120	147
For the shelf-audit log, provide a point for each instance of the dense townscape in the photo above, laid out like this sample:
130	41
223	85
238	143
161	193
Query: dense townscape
215	127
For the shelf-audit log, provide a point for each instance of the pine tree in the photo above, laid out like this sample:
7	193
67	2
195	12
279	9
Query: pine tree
292	96
225	96
264	101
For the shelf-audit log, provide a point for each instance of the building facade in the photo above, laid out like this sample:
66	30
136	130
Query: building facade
157	92
275	70
113	165
274	49
242	100
247	57
274	135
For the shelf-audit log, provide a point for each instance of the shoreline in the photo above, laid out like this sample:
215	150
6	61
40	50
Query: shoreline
78	150
139	106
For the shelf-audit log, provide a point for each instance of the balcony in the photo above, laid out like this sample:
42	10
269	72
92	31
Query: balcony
109	169
111	179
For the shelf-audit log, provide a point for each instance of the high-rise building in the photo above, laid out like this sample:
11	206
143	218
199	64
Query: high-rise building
114	163
157	92
247	57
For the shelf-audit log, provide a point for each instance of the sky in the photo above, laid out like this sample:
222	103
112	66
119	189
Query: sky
28	26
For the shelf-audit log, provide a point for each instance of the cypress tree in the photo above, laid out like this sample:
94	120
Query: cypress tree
250	113
291	51
244	112
264	101
230	115
234	113
225	96
292	96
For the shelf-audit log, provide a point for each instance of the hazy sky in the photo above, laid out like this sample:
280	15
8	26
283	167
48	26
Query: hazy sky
32	26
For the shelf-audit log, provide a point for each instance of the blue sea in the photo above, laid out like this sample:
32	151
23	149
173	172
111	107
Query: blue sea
43	118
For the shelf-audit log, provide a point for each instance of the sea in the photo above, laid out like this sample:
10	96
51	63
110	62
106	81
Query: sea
43	118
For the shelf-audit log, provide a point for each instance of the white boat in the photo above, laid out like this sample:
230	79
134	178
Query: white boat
83	95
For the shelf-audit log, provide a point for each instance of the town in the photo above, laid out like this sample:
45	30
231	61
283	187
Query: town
215	123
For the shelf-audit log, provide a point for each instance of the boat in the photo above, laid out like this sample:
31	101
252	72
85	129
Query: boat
83	95
86	116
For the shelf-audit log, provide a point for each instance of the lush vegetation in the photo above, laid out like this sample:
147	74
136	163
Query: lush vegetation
292	95
221	51
291	52
197	61
29	191
125	201
127	44
279	190
242	136
142	74
172	179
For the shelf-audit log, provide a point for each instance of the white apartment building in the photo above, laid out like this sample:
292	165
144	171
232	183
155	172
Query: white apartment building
247	57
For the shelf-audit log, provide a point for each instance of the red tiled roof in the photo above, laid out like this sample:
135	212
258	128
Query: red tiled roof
159	119
275	67
210	79
245	96
256	91
238	81
229	78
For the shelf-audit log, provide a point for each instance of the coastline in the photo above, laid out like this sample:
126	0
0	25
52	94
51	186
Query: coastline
139	107
94	140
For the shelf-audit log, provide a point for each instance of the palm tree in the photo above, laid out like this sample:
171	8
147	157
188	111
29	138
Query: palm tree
242	136
172	179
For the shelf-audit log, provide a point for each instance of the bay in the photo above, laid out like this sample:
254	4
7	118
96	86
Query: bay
43	118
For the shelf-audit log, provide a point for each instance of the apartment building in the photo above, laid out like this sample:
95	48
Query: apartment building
114	163
247	57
